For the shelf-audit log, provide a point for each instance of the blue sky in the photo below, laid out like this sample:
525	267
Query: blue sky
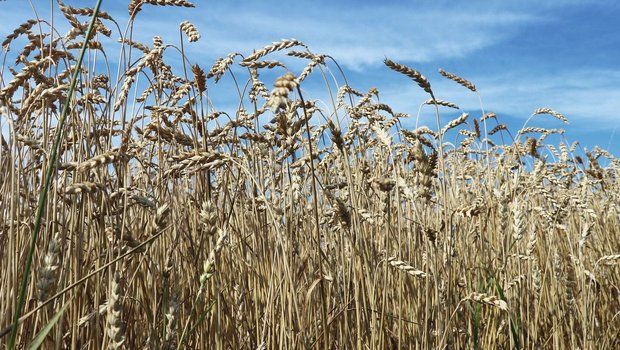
521	54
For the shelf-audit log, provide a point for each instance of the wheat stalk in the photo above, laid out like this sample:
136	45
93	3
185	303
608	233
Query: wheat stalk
411	73
458	79
113	316
190	30
486	299
403	266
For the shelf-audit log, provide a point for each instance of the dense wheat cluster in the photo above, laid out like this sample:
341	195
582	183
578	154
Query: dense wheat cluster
287	223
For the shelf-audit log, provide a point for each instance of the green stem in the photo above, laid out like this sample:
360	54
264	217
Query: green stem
48	177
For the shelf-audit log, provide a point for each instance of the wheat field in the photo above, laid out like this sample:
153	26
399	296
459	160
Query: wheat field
286	223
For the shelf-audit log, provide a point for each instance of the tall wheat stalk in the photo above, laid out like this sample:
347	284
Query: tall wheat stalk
49	174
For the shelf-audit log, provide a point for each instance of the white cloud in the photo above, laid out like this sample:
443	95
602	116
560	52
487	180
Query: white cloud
362	35
589	98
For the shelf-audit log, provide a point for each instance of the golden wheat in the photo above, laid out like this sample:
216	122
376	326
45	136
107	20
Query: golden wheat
174	222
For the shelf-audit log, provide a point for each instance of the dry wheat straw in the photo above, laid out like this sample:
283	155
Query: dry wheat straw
454	123
243	185
411	73
82	187
498	128
486	299
190	30
458	79
552	113
99	160
49	271
136	5
23	28
220	66
403	266
275	46
441	103
488	115
278	99
115	327
172	317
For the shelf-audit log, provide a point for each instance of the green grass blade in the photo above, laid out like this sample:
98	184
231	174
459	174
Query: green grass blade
38	340
48	176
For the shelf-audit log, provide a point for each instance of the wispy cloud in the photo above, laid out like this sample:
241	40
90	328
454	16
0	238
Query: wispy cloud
589	98
359	35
